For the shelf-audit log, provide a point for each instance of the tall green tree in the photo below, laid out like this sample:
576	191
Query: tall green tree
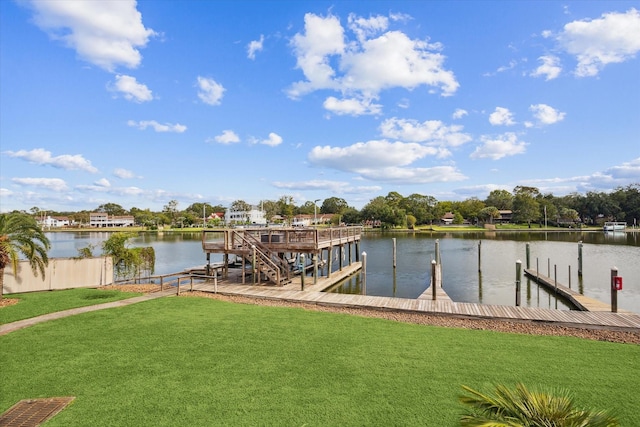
525	205
112	209
501	199
333	205
20	234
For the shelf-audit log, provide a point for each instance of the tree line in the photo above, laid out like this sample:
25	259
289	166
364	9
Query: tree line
527	205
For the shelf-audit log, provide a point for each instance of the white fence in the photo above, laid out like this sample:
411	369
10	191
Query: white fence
61	273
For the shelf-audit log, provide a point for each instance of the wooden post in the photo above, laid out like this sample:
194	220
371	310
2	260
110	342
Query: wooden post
315	269
329	261
548	267
302	272
528	254
253	263
614	292
161	282
394	252
555	278
569	276
215	284
518	276
580	258
178	286
438	251
191	282
433	279
479	256
364	273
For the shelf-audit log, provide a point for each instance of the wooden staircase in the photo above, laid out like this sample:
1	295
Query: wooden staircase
267	262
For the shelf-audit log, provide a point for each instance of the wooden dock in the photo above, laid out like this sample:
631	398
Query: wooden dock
441	295
581	302
581	319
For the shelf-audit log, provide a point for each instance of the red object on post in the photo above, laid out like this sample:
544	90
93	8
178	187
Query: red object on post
617	283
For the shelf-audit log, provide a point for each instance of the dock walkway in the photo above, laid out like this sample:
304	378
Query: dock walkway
583	319
580	301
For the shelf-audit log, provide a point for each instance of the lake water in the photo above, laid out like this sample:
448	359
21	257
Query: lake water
554	253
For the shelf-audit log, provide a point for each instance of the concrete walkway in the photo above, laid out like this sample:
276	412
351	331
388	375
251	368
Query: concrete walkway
14	326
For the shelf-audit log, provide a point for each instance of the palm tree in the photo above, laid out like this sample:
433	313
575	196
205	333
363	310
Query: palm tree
20	234
524	408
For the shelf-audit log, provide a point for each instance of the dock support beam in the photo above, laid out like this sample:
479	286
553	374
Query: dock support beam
518	277
614	292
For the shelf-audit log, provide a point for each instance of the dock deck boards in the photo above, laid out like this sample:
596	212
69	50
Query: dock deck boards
439	307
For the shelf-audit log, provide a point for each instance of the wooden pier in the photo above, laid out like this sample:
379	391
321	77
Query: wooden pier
581	302
276	254
571	318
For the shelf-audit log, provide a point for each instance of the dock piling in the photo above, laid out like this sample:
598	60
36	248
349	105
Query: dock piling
438	251
302	272
580	258
364	273
394	252
614	291
433	279
528	253
518	276
479	256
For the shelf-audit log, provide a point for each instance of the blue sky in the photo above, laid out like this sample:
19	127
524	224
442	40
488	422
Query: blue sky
195	101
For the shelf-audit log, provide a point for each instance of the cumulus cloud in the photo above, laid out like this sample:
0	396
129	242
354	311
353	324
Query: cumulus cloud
502	146
210	92
158	127
459	113
351	106
123	173
130	89
369	155
107	34
362	66
254	46
54	184
546	115
41	156
550	67
501	116
227	137
430	132
612	38
273	141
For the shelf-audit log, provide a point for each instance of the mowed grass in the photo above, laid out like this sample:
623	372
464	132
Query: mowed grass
202	362
34	304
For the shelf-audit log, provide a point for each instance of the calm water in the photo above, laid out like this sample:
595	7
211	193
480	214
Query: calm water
459	252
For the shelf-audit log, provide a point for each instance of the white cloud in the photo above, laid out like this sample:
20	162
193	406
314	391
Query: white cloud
497	148
99	187
54	184
158	127
546	115
227	137
459	113
254	46
273	141
103	182
550	67
131	90
41	156
430	132
501	116
104	33
334	187
365	28
369	155
210	91
368	64
612	38
351	106
123	173
628	170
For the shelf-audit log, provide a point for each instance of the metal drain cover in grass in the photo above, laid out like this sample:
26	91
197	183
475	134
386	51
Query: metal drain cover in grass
33	412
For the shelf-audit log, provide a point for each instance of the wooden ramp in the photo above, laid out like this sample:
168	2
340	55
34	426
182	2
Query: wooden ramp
441	295
580	301
620	321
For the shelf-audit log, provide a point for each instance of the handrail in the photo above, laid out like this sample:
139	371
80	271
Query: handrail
268	264
279	263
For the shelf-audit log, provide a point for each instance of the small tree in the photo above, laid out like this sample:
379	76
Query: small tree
521	407
21	234
128	262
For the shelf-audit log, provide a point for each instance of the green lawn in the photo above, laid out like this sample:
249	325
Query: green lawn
202	362
34	304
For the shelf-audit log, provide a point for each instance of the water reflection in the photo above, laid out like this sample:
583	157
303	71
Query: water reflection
467	276
490	278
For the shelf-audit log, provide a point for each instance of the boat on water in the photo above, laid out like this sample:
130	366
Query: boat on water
614	226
